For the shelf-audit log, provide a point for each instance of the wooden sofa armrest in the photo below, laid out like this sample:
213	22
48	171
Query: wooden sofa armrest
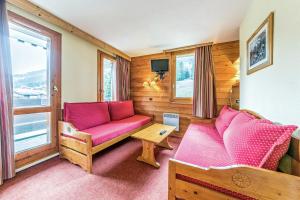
290	163
66	128
72	139
249	181
75	146
195	119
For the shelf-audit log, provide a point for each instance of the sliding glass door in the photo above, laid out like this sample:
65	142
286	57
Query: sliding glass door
35	55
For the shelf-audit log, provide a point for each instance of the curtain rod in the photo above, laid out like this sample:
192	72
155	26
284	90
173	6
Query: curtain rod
188	47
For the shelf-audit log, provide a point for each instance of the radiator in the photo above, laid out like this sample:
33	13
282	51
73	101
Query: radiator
171	119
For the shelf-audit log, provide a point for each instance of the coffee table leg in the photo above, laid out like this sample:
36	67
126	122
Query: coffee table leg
148	154
165	143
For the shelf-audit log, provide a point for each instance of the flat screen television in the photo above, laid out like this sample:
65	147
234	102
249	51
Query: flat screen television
160	65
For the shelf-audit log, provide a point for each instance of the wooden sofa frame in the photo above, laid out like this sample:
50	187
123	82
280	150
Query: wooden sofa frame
76	146
250	181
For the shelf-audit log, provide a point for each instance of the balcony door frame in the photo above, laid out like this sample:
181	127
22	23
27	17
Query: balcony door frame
54	108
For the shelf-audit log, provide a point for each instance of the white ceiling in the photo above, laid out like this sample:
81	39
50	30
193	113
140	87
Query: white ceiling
139	27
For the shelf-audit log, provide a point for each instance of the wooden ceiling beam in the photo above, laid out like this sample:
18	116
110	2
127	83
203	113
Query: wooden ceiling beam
47	16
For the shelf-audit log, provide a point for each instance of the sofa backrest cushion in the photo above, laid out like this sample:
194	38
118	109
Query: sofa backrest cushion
86	115
258	143
120	109
224	119
273	160
240	118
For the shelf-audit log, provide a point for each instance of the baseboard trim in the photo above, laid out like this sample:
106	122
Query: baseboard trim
36	162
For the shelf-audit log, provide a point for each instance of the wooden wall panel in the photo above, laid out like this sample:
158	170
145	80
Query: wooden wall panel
156	102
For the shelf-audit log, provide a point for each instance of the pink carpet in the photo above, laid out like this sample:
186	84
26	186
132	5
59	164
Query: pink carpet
116	175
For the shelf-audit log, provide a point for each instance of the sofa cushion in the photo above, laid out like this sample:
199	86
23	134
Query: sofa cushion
240	118
224	119
279	151
86	115
106	132
254	142
203	146
121	109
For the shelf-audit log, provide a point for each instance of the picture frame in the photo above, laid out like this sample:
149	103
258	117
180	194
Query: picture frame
260	46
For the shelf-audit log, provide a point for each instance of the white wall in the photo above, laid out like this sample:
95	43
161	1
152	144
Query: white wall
79	63
274	92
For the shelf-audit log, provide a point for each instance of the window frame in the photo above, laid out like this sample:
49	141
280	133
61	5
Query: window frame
28	156
100	80
174	99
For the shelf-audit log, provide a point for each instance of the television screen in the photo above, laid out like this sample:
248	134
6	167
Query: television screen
160	65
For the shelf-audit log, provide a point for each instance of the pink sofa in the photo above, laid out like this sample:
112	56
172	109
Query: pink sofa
104	120
90	127
233	139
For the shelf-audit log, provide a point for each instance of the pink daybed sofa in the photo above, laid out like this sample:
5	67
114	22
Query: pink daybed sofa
91	127
219	159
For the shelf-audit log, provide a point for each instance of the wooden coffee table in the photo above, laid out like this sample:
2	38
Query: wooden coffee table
150	137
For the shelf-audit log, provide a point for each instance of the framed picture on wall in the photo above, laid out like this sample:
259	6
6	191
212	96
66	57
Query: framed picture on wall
260	46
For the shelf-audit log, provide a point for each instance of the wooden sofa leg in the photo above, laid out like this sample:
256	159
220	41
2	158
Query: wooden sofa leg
171	181
89	163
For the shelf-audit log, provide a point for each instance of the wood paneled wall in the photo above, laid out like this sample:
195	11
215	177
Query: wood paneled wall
157	101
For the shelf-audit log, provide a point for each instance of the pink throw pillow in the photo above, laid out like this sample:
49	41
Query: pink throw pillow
224	119
239	119
272	161
121	109
258	143
86	115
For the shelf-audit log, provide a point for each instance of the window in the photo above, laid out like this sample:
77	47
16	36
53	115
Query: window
35	56
183	76
106	77
30	67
